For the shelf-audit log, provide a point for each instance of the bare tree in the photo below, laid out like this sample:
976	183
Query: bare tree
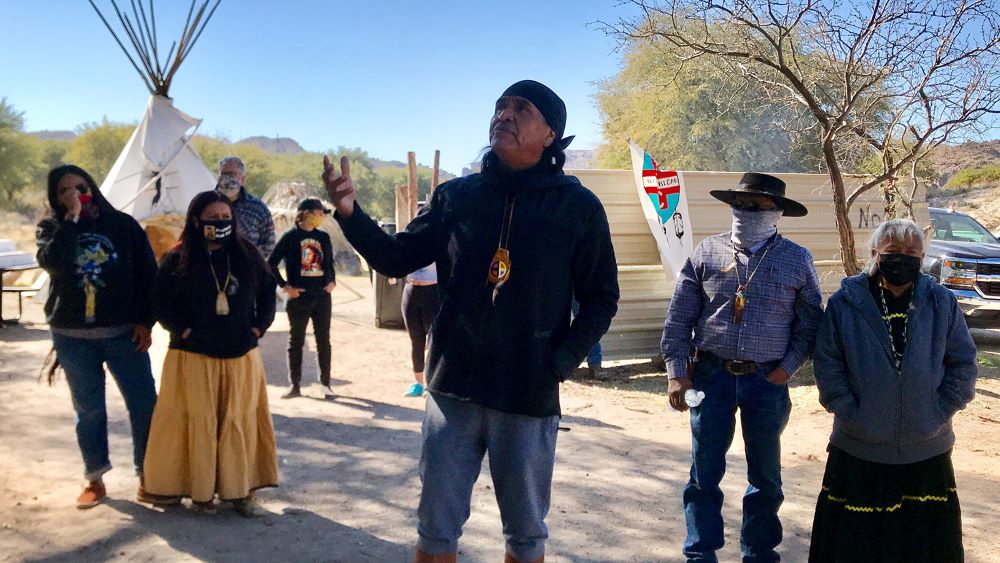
897	77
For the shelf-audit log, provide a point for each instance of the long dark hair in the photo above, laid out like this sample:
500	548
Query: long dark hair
51	365
193	250
56	208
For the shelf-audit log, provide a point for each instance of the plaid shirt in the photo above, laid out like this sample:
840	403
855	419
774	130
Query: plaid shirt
255	222
782	313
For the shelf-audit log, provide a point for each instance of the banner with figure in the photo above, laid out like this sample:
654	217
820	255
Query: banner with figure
664	203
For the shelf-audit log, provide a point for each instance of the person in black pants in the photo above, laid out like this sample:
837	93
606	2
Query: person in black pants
308	256
420	306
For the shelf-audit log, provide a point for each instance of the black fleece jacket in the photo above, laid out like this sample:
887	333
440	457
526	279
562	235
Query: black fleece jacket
187	301
109	256
510	353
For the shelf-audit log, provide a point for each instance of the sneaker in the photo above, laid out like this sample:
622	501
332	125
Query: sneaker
207	507
292	392
415	390
93	494
599	373
247	507
327	391
156	500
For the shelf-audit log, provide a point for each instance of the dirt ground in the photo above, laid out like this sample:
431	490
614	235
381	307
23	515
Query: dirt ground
349	486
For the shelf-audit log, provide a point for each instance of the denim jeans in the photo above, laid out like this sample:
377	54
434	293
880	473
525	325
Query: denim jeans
314	304
594	357
522	451
764	409
83	360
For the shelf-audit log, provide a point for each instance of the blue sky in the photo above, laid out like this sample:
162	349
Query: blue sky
387	76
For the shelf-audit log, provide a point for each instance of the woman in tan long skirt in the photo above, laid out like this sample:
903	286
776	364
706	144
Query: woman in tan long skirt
212	432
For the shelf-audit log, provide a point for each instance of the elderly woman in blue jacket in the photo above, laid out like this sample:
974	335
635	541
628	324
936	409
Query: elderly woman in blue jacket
894	362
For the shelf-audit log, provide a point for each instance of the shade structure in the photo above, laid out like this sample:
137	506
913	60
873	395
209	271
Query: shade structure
159	170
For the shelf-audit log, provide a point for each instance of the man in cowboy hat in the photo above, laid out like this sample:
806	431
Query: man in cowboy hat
742	319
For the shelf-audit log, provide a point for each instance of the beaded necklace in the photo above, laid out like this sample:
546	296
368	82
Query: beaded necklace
887	317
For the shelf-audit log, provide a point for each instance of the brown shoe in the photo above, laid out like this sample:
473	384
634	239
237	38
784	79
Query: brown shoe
92	495
156	500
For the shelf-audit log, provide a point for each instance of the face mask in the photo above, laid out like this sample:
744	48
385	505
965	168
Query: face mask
218	231
228	186
899	269
314	221
751	228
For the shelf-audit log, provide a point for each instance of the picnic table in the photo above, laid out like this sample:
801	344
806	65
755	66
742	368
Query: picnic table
20	290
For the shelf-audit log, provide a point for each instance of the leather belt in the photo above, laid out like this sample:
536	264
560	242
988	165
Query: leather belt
737	367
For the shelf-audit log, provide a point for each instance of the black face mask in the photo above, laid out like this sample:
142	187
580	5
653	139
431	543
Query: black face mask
220	231
899	269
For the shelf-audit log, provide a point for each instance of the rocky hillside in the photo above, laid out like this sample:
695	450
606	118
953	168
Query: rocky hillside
980	197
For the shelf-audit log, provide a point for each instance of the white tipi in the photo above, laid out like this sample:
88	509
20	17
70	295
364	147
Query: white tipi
159	170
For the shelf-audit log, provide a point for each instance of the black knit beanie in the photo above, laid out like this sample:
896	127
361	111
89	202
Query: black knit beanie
548	103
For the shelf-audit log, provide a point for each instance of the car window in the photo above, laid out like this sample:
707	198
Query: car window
959	228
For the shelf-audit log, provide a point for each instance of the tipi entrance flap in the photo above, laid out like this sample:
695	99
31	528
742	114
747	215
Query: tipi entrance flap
159	171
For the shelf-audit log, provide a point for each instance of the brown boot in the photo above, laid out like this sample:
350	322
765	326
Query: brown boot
156	500
93	494
508	558
422	557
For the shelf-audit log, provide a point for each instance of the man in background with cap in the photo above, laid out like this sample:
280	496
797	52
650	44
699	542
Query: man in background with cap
252	214
743	318
513	245
309	278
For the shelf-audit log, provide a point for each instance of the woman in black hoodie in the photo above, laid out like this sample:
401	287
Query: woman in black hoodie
101	268
212	432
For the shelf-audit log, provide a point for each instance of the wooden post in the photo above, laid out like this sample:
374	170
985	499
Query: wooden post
402	207
435	177
411	157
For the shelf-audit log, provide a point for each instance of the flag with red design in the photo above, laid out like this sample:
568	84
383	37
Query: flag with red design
664	204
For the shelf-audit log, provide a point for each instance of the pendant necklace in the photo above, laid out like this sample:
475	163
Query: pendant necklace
221	301
742	289
499	271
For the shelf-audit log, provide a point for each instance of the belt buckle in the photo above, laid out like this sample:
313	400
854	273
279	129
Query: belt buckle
740	367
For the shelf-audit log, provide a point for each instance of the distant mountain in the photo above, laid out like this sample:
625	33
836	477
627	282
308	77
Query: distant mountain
579	159
952	159
53	135
274	145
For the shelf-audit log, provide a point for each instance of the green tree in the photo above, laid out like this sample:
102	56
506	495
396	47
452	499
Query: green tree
97	146
694	115
19	157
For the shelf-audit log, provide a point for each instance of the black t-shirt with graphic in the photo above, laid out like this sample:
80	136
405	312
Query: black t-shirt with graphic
308	258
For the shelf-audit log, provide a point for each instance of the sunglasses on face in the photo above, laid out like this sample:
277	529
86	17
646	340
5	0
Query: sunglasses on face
745	205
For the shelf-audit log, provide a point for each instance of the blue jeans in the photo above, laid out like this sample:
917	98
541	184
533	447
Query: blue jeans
83	360
764	409
594	357
522	450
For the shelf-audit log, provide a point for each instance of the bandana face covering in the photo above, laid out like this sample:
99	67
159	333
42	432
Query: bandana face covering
751	228
228	186
217	231
314	221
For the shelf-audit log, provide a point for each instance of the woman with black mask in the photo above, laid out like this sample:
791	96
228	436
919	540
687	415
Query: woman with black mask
894	362
101	268
212	432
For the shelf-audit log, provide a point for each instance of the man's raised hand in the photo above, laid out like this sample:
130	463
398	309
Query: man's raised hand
339	187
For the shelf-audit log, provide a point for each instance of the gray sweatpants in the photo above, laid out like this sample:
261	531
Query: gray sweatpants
457	434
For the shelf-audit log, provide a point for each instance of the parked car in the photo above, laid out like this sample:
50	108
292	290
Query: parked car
965	257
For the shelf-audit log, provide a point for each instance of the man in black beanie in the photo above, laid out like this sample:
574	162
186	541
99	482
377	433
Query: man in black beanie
513	245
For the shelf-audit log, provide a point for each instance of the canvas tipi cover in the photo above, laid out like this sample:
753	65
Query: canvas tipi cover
159	171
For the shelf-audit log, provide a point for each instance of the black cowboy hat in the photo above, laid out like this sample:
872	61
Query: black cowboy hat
753	183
